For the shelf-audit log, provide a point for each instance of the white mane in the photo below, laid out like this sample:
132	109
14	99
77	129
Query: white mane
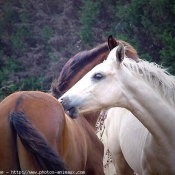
159	79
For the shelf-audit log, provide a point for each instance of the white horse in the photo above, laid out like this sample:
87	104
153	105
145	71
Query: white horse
148	92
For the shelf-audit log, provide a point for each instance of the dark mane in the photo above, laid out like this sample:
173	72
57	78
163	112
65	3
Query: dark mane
74	65
80	60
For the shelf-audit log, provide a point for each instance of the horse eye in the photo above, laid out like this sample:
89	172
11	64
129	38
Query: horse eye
97	76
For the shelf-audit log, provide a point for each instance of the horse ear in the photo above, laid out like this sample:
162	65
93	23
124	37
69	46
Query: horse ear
120	53
112	42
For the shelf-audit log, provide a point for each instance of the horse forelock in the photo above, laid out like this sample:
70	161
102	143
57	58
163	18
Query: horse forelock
157	77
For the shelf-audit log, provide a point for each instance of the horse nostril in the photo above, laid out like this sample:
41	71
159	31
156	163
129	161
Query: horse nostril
65	102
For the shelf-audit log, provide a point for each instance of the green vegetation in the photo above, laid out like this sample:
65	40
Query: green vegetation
150	24
89	14
17	39
37	35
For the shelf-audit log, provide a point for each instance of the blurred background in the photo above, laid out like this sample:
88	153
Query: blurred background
37	37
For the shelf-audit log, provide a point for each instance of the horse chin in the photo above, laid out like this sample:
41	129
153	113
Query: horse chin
73	112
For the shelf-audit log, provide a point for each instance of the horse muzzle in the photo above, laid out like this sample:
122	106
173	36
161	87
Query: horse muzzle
72	110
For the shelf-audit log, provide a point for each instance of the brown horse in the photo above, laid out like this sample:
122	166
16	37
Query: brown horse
82	63
37	135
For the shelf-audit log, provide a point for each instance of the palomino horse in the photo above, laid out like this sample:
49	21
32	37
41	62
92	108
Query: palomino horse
82	63
41	137
149	93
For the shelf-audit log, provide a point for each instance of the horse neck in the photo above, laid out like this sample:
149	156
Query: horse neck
149	107
92	118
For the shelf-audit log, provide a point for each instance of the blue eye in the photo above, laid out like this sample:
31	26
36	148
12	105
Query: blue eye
97	76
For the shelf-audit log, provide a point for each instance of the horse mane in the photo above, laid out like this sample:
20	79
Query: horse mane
73	66
82	59
129	48
159	79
